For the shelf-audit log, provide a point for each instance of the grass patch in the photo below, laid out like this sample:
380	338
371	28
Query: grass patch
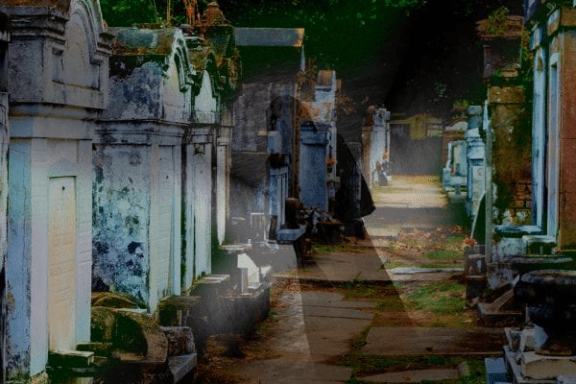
363	365
394	304
402	264
357	289
323	249
446	255
456	239
438	298
360	340
477	373
266	324
415	243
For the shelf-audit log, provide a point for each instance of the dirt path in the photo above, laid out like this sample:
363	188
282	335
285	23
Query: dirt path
387	309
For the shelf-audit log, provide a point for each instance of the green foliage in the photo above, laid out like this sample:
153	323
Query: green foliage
497	21
125	13
460	104
332	27
338	32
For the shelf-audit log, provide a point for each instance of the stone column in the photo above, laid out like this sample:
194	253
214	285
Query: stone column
475	159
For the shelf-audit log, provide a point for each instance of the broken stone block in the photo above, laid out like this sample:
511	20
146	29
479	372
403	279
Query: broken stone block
539	367
495	370
513	336
211	286
174	310
139	333
539	244
531	339
182	366
180	340
475	285
98	348
475	264
566	379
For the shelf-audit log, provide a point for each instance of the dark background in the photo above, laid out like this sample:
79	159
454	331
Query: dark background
412	56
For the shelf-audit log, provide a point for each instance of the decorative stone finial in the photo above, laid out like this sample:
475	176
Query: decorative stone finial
212	14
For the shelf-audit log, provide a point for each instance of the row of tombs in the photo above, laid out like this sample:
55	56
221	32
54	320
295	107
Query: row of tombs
129	156
510	164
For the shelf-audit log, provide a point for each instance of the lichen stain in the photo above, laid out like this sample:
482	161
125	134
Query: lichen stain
121	206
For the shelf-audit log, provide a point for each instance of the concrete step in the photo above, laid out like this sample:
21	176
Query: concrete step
70	359
182	365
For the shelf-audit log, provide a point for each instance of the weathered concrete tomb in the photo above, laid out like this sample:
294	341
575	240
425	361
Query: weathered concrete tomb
376	146
58	78
118	174
137	166
265	144
4	141
161	162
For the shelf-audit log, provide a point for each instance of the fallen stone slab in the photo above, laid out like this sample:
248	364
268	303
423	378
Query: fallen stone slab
288	372
332	299
317	338
340	268
182	366
415	270
340	313
413	376
422	341
318	324
390	233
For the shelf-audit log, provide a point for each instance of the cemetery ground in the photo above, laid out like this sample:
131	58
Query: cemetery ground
389	308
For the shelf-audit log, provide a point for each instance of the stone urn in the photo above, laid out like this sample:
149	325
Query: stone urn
550	296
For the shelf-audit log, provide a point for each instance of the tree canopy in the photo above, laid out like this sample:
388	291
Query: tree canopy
338	32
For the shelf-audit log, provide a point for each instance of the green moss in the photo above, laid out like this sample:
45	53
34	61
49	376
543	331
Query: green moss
102	323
